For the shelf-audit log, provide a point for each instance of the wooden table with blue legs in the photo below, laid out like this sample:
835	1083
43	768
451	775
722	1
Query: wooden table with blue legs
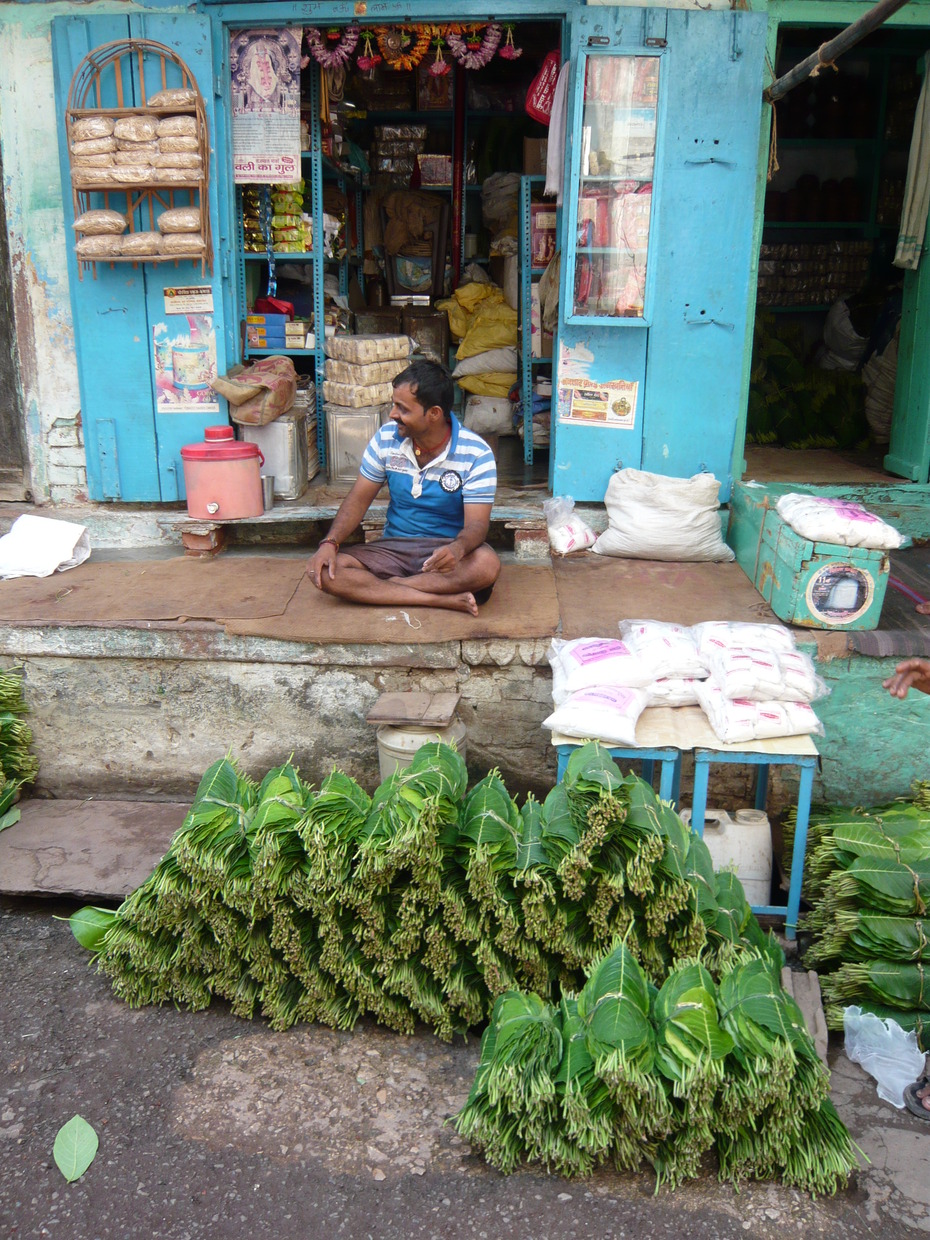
667	733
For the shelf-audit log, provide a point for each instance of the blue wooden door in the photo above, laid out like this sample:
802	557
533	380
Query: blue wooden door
683	347
133	446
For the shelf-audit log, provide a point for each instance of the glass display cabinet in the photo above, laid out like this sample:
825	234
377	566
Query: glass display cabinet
614	199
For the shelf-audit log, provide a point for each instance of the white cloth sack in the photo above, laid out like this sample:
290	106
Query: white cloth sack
606	714
493	360
38	546
736	722
651	517
821	518
488	415
593	662
917	185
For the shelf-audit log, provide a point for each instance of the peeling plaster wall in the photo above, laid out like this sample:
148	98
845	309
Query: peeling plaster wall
33	193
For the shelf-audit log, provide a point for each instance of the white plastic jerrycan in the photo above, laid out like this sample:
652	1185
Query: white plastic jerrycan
742	843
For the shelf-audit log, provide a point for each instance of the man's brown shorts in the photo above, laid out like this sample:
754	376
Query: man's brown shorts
401	557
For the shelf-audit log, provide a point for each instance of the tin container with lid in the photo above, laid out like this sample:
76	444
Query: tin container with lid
222	477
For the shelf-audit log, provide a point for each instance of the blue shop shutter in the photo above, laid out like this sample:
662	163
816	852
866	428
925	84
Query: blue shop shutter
703	242
133	453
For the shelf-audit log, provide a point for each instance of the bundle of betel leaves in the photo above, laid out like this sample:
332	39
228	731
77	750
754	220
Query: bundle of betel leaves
429	902
630	1073
867	880
18	765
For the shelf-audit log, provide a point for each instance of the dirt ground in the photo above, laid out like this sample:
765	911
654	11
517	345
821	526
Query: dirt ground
211	1126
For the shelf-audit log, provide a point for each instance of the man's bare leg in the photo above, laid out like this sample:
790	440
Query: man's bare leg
356	584
476	571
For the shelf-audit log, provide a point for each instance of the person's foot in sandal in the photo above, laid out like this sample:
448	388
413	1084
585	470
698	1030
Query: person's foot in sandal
917	1098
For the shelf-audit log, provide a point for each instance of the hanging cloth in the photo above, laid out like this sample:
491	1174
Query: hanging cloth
555	148
917	187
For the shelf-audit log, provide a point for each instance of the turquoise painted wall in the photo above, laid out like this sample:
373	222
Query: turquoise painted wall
33	196
875	745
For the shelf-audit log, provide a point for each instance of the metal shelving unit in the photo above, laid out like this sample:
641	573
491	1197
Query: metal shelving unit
316	167
527	274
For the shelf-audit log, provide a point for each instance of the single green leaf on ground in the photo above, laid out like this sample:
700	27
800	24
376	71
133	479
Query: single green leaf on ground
75	1148
10	817
89	924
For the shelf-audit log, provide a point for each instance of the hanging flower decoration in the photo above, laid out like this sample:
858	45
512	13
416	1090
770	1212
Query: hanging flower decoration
335	48
370	56
403	47
508	51
474	51
440	66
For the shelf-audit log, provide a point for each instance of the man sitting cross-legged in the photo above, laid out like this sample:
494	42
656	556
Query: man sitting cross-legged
441	479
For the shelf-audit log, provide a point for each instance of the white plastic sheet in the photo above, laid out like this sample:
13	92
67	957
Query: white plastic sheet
885	1051
40	546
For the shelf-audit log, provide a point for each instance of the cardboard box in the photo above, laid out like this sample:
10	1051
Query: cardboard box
267	320
258	338
542	233
534	156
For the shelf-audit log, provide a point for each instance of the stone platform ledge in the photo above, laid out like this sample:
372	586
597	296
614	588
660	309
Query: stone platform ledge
515	518
202	640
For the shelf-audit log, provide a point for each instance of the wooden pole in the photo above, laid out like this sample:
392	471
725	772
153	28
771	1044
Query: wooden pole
827	53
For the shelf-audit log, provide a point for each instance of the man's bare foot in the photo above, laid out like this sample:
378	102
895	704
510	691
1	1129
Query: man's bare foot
454	602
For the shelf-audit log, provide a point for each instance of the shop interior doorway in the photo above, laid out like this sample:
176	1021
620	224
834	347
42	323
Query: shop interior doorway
424	152
828	321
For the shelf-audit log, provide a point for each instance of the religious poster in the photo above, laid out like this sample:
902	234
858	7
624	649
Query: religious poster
584	401
265	72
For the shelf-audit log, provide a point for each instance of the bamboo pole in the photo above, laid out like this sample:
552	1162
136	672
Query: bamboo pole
827	53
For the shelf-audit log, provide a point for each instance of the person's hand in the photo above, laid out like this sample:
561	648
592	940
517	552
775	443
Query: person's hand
323	561
444	559
911	674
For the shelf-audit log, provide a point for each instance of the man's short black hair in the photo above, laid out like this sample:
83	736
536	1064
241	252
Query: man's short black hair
430	383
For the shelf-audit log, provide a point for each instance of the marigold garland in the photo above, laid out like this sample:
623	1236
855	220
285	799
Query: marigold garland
469	52
403	56
331	57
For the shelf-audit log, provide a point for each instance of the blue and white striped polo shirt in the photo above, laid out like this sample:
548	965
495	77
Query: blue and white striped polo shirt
429	502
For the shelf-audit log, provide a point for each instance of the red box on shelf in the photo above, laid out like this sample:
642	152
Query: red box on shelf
542	233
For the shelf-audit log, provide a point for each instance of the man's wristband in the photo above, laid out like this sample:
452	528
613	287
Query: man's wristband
329	540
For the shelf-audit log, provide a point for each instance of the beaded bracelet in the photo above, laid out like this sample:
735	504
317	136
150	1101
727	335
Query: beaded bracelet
329	540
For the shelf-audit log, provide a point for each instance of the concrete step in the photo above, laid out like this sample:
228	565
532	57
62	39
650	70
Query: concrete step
94	850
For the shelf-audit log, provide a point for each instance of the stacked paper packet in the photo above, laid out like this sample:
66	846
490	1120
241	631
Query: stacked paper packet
749	679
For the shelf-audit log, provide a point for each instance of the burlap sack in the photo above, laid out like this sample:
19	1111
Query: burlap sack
259	393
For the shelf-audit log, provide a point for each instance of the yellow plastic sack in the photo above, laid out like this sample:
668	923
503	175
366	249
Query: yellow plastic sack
463	303
492	327
488	382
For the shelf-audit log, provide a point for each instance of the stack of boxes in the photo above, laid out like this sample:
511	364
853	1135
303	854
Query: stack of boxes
278	332
394	151
358	393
